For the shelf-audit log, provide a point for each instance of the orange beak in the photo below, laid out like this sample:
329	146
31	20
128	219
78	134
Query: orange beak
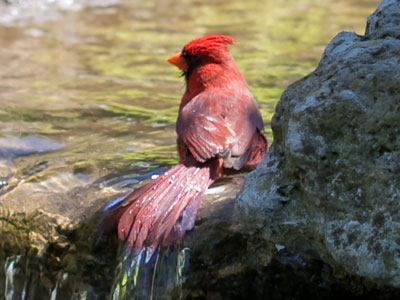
178	61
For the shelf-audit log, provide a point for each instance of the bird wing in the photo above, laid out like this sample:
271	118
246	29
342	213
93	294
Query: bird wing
219	123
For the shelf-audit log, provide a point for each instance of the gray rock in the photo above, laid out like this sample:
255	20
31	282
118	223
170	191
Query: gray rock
330	183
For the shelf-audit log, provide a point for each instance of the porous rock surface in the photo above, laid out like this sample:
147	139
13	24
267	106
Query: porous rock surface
331	181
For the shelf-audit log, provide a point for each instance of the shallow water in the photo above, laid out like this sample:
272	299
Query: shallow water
88	80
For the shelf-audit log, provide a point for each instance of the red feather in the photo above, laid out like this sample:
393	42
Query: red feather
218	125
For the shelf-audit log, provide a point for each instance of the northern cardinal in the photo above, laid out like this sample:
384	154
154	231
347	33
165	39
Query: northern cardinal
219	126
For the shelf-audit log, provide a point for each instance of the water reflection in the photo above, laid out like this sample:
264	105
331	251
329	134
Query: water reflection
97	79
150	274
17	146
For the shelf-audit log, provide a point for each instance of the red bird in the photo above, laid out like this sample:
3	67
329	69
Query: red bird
219	126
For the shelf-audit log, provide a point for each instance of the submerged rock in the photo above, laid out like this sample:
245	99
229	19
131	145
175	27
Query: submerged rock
17	146
330	184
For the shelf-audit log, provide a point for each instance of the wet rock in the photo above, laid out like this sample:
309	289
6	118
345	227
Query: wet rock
330	184
16	146
58	252
47	256
49	228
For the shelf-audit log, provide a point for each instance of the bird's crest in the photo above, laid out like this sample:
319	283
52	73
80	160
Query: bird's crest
209	44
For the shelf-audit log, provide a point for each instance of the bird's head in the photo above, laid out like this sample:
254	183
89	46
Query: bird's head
209	49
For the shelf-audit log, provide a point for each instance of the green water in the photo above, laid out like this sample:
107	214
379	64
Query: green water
94	86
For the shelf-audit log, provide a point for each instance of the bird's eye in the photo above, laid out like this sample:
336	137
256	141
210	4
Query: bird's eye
184	53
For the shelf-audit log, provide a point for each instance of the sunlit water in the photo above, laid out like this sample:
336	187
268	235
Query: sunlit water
86	94
96	81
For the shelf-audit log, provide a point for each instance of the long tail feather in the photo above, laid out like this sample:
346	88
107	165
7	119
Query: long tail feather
158	213
150	222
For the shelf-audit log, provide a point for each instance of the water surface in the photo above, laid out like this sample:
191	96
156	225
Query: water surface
88	81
